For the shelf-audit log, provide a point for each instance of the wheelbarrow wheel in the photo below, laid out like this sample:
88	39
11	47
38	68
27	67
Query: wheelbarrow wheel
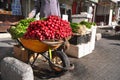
60	61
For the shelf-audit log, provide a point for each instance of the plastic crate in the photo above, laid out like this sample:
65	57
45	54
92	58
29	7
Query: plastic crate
79	39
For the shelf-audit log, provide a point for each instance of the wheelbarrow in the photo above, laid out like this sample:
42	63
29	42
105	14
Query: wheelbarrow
57	59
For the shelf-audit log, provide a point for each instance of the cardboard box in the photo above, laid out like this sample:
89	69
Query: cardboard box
20	53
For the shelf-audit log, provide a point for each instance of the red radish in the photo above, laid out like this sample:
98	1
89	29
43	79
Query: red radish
52	28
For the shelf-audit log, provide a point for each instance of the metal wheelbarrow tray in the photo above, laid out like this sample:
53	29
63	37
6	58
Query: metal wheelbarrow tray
39	46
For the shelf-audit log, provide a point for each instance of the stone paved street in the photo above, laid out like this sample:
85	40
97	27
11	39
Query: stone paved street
102	64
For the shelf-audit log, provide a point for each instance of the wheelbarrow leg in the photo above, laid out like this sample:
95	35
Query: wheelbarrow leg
34	59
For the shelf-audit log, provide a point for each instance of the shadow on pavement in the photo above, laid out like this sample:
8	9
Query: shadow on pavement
109	33
0	77
43	73
115	44
111	37
5	51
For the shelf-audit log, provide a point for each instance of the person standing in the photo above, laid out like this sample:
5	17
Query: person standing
46	8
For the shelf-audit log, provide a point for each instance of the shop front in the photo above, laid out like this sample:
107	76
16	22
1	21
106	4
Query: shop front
84	10
105	12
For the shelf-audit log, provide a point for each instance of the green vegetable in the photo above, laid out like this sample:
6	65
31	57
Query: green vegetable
87	24
43	18
18	30
75	27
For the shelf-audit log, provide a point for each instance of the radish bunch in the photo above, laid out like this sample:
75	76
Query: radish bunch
53	28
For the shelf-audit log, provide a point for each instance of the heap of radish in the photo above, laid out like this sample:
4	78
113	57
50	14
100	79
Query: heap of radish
52	28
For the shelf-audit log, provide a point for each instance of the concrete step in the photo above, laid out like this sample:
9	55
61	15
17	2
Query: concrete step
5	35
